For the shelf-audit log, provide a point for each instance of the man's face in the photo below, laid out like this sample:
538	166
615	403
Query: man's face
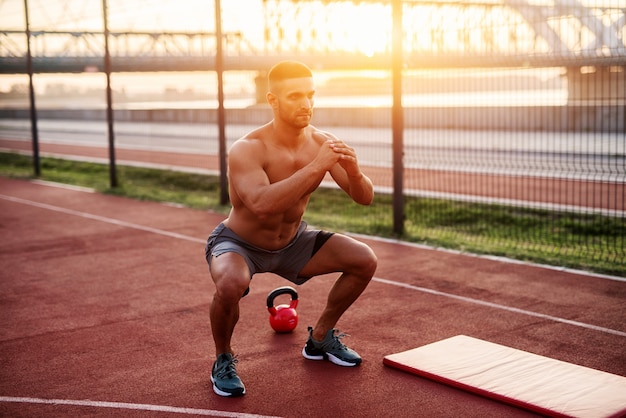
292	101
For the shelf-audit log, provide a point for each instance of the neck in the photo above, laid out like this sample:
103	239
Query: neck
287	135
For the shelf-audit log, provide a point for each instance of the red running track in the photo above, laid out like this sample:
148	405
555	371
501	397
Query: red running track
105	303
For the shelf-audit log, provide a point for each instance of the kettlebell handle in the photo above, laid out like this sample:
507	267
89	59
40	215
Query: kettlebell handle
285	290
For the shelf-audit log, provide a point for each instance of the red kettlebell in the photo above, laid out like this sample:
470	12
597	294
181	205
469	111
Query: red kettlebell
283	318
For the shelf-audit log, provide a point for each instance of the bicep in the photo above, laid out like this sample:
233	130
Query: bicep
245	173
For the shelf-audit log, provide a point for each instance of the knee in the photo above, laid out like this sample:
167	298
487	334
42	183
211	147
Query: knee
229	289
229	292
372	264
368	263
231	279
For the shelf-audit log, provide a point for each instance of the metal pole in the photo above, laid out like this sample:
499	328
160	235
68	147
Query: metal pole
397	118
221	113
109	111
31	92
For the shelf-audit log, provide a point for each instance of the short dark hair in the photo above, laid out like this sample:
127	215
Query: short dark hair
288	69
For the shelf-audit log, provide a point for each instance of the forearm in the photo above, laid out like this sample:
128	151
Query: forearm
282	195
361	189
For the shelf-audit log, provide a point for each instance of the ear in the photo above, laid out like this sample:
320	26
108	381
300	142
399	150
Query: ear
272	99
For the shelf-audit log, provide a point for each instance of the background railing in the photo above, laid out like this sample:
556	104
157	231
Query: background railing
510	111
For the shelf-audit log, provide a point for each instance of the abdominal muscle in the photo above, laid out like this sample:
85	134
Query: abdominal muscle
271	233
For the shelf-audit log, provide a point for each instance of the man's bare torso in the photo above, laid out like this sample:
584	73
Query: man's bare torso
278	162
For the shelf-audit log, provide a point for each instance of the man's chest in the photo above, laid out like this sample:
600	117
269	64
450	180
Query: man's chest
281	165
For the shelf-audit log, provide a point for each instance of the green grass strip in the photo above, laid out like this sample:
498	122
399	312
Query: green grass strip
579	241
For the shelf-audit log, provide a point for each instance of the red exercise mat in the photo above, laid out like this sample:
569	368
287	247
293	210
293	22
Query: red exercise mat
540	384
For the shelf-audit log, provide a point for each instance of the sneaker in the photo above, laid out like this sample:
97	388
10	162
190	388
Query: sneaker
224	377
331	348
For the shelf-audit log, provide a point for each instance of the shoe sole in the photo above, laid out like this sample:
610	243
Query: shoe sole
222	393
333	359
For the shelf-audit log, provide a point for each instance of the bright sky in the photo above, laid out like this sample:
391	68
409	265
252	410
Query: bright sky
360	28
354	26
187	15
346	25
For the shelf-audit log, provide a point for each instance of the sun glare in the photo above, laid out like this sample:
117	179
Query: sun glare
339	26
366	28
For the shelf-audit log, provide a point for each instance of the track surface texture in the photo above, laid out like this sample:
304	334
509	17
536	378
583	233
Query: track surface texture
105	303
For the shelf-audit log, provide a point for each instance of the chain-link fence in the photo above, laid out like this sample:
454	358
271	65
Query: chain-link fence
513	119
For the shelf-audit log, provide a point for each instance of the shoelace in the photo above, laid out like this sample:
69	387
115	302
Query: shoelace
226	369
335	342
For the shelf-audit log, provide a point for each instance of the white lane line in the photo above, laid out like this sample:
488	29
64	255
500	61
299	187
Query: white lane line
491	257
380	280
404	243
136	406
501	307
102	219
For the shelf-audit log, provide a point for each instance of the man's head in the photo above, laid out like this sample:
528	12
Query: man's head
291	91
285	70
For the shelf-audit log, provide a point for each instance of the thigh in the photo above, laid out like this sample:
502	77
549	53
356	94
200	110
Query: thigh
340	254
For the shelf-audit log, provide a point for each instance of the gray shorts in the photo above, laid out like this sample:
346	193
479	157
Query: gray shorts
286	262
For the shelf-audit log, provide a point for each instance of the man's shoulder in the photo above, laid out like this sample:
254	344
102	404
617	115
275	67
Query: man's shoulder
247	147
254	138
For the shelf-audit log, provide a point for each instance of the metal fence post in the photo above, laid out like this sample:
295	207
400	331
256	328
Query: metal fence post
221	113
31	93
397	119
107	71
